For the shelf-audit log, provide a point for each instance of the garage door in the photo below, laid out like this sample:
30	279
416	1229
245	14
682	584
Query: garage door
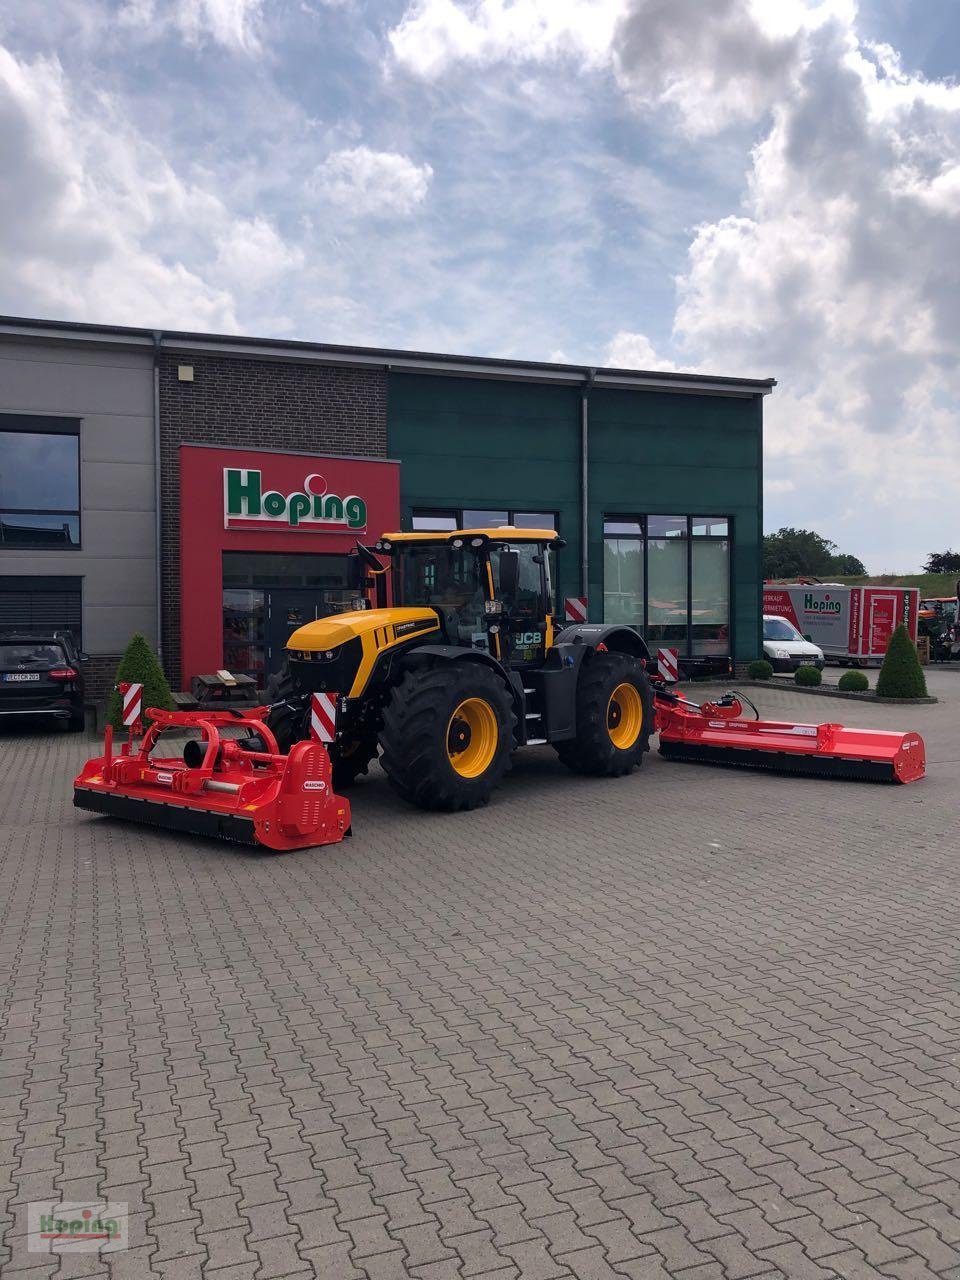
40	604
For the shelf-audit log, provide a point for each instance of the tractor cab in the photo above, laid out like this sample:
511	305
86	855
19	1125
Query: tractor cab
491	588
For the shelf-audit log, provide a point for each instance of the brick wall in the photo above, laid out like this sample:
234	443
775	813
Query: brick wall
255	404
98	675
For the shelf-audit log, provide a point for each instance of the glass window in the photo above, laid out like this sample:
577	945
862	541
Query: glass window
780	629
25	529
474	519
39	485
633	528
448	579
709	526
526	601
244	644
435	521
623	580
533	519
39	471
273	569
666	526
667	592
710	597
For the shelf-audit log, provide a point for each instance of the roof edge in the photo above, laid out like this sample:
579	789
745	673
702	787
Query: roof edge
390	359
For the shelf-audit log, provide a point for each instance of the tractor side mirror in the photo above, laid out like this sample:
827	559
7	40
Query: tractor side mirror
509	573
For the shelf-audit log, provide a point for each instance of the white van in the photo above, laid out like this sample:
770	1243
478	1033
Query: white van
785	648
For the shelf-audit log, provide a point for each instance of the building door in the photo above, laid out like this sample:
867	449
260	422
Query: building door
288	609
266	597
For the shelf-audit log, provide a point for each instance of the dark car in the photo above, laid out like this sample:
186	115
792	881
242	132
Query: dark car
40	676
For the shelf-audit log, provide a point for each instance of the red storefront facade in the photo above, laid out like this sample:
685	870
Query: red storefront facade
264	540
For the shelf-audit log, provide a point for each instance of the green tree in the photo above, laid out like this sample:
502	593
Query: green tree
901	675
848	566
790	552
139	665
942	562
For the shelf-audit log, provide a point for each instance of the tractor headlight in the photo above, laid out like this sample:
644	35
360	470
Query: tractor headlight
330	654
386	544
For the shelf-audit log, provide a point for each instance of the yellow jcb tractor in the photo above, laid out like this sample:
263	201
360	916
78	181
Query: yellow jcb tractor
464	667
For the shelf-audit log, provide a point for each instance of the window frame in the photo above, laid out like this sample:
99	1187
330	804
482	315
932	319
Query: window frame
689	538
45	425
456	513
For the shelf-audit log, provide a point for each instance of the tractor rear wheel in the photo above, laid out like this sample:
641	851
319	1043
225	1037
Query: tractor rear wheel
614	717
289	723
447	735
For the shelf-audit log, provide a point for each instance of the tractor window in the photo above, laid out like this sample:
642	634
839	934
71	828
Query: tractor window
449	579
527	600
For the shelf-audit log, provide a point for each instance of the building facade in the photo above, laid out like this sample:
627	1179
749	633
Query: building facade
206	491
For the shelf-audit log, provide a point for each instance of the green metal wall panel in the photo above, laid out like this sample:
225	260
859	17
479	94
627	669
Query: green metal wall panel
494	444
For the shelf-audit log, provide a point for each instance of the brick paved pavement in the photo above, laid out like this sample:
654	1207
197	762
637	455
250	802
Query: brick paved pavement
696	1023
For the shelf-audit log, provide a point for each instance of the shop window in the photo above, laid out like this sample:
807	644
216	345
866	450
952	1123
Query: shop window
670	576
710	596
667	572
435	521
623	572
39	482
429	519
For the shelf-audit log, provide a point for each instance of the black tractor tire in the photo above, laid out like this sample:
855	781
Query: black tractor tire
290	724
448	731
594	750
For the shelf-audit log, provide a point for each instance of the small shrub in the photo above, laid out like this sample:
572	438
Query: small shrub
808	675
139	665
760	670
853	682
901	675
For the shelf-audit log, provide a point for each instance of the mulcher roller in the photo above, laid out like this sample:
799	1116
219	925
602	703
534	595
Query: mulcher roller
717	733
217	787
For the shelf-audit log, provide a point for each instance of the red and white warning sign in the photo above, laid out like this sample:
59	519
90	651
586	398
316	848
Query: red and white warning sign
668	664
575	609
131	700
323	716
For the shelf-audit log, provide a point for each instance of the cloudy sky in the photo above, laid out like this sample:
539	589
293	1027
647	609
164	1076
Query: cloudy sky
759	187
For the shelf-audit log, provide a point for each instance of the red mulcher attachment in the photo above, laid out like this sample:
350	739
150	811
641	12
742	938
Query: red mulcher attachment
217	788
717	733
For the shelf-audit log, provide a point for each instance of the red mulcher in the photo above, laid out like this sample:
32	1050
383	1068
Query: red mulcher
216	787
718	733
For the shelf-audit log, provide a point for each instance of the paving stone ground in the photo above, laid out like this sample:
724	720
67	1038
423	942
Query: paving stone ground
696	1023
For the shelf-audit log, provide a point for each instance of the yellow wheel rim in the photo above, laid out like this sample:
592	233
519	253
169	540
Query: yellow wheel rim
472	737
624	716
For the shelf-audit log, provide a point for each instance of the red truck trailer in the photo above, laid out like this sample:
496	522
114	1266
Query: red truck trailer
852	625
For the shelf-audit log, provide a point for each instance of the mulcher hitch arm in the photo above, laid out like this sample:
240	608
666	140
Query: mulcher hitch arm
718	733
217	787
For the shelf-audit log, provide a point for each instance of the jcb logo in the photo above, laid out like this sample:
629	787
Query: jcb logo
529	637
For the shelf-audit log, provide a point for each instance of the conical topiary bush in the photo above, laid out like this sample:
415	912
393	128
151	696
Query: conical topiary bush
139	665
901	675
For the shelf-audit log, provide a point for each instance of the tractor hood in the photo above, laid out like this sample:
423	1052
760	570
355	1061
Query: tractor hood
384	627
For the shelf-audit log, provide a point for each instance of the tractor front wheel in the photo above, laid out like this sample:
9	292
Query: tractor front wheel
614	717
289	721
447	735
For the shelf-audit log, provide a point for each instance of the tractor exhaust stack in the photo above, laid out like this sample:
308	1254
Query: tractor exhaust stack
218	788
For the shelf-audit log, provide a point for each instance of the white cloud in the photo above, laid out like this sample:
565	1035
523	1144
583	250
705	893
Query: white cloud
235	24
633	351
434	34
363	181
98	225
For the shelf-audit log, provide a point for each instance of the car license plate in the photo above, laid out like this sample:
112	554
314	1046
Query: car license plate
20	677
